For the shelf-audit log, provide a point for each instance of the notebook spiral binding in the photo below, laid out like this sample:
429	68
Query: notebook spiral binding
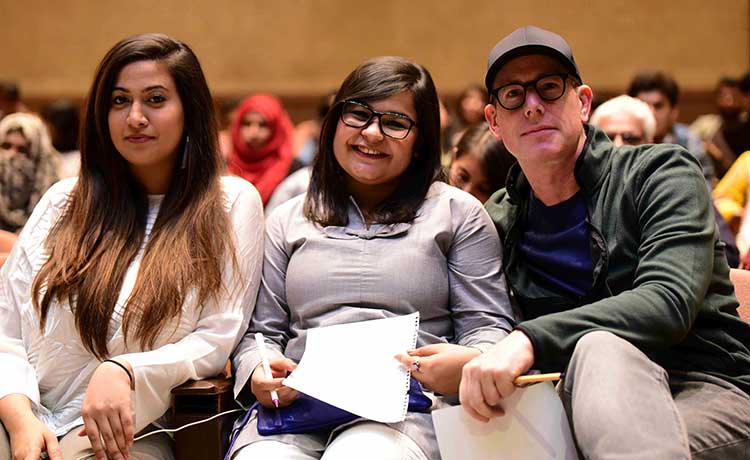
407	380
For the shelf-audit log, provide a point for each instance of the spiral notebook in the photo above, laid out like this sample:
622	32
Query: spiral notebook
352	366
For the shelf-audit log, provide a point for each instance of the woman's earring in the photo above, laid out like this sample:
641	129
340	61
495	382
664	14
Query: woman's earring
185	153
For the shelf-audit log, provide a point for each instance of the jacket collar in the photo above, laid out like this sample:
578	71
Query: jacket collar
590	170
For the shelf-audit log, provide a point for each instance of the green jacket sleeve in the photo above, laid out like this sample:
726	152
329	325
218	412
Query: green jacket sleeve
660	200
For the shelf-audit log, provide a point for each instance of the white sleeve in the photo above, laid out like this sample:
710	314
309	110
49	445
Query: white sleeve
16	278
19	375
204	351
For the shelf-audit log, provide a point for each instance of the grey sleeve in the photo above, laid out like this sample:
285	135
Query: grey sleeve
271	314
481	311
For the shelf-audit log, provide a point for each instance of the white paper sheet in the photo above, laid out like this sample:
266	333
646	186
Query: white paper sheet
534	427
352	366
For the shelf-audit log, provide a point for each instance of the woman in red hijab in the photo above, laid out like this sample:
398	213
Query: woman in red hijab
262	143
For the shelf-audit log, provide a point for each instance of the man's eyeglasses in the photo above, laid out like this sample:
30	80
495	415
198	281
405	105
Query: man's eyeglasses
627	138
394	125
548	87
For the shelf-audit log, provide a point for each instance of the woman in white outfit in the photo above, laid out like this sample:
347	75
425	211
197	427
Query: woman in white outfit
132	278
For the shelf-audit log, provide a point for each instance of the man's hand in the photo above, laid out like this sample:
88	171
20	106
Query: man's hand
487	379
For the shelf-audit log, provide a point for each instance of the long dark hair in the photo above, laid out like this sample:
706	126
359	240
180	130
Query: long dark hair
102	228
327	197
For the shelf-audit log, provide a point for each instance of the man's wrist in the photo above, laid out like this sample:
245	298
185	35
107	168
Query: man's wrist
526	347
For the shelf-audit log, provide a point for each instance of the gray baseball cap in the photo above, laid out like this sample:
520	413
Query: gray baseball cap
529	40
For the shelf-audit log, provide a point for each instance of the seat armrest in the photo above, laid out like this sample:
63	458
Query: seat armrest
197	400
213	386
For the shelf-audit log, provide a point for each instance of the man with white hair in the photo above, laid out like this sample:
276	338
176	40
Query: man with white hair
625	120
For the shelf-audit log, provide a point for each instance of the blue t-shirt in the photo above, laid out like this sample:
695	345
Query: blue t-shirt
556	245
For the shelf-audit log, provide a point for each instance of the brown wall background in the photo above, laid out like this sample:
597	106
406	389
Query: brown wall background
303	48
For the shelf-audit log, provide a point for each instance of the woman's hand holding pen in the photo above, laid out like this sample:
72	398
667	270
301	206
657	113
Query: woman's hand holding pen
261	385
108	412
438	366
489	378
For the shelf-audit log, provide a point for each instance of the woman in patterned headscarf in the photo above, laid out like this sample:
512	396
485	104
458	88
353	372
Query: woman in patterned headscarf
262	141
28	167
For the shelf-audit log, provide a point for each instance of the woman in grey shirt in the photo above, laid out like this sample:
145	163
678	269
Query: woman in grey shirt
375	236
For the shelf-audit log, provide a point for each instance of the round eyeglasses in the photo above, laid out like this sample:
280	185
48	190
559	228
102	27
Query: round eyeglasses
548	87
391	124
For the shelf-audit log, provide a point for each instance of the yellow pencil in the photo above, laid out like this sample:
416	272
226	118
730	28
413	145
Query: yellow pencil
525	380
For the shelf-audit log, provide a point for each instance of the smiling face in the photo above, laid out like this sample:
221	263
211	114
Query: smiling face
146	121
372	161
540	131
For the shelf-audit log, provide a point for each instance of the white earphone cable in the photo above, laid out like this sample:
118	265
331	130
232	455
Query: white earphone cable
174	430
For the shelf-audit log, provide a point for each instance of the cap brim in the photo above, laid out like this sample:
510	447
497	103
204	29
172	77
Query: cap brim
489	79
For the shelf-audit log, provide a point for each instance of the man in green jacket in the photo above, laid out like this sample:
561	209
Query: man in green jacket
613	257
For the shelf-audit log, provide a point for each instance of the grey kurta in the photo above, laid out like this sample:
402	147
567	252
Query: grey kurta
445	265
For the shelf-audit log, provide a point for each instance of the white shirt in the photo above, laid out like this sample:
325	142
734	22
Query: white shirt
52	368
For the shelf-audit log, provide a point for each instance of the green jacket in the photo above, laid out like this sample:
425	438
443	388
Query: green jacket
661	280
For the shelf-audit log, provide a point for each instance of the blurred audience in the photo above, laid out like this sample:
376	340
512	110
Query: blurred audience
446	119
731	193
306	136
732	132
262	143
10	98
625	120
660	91
225	114
307	132
469	111
743	234
727	102
481	163
63	119
28	167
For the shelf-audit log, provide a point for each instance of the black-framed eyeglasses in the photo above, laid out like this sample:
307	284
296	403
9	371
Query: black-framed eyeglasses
627	137
391	124
548	87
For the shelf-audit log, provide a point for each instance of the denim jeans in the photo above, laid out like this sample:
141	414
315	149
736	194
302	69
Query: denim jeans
622	405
